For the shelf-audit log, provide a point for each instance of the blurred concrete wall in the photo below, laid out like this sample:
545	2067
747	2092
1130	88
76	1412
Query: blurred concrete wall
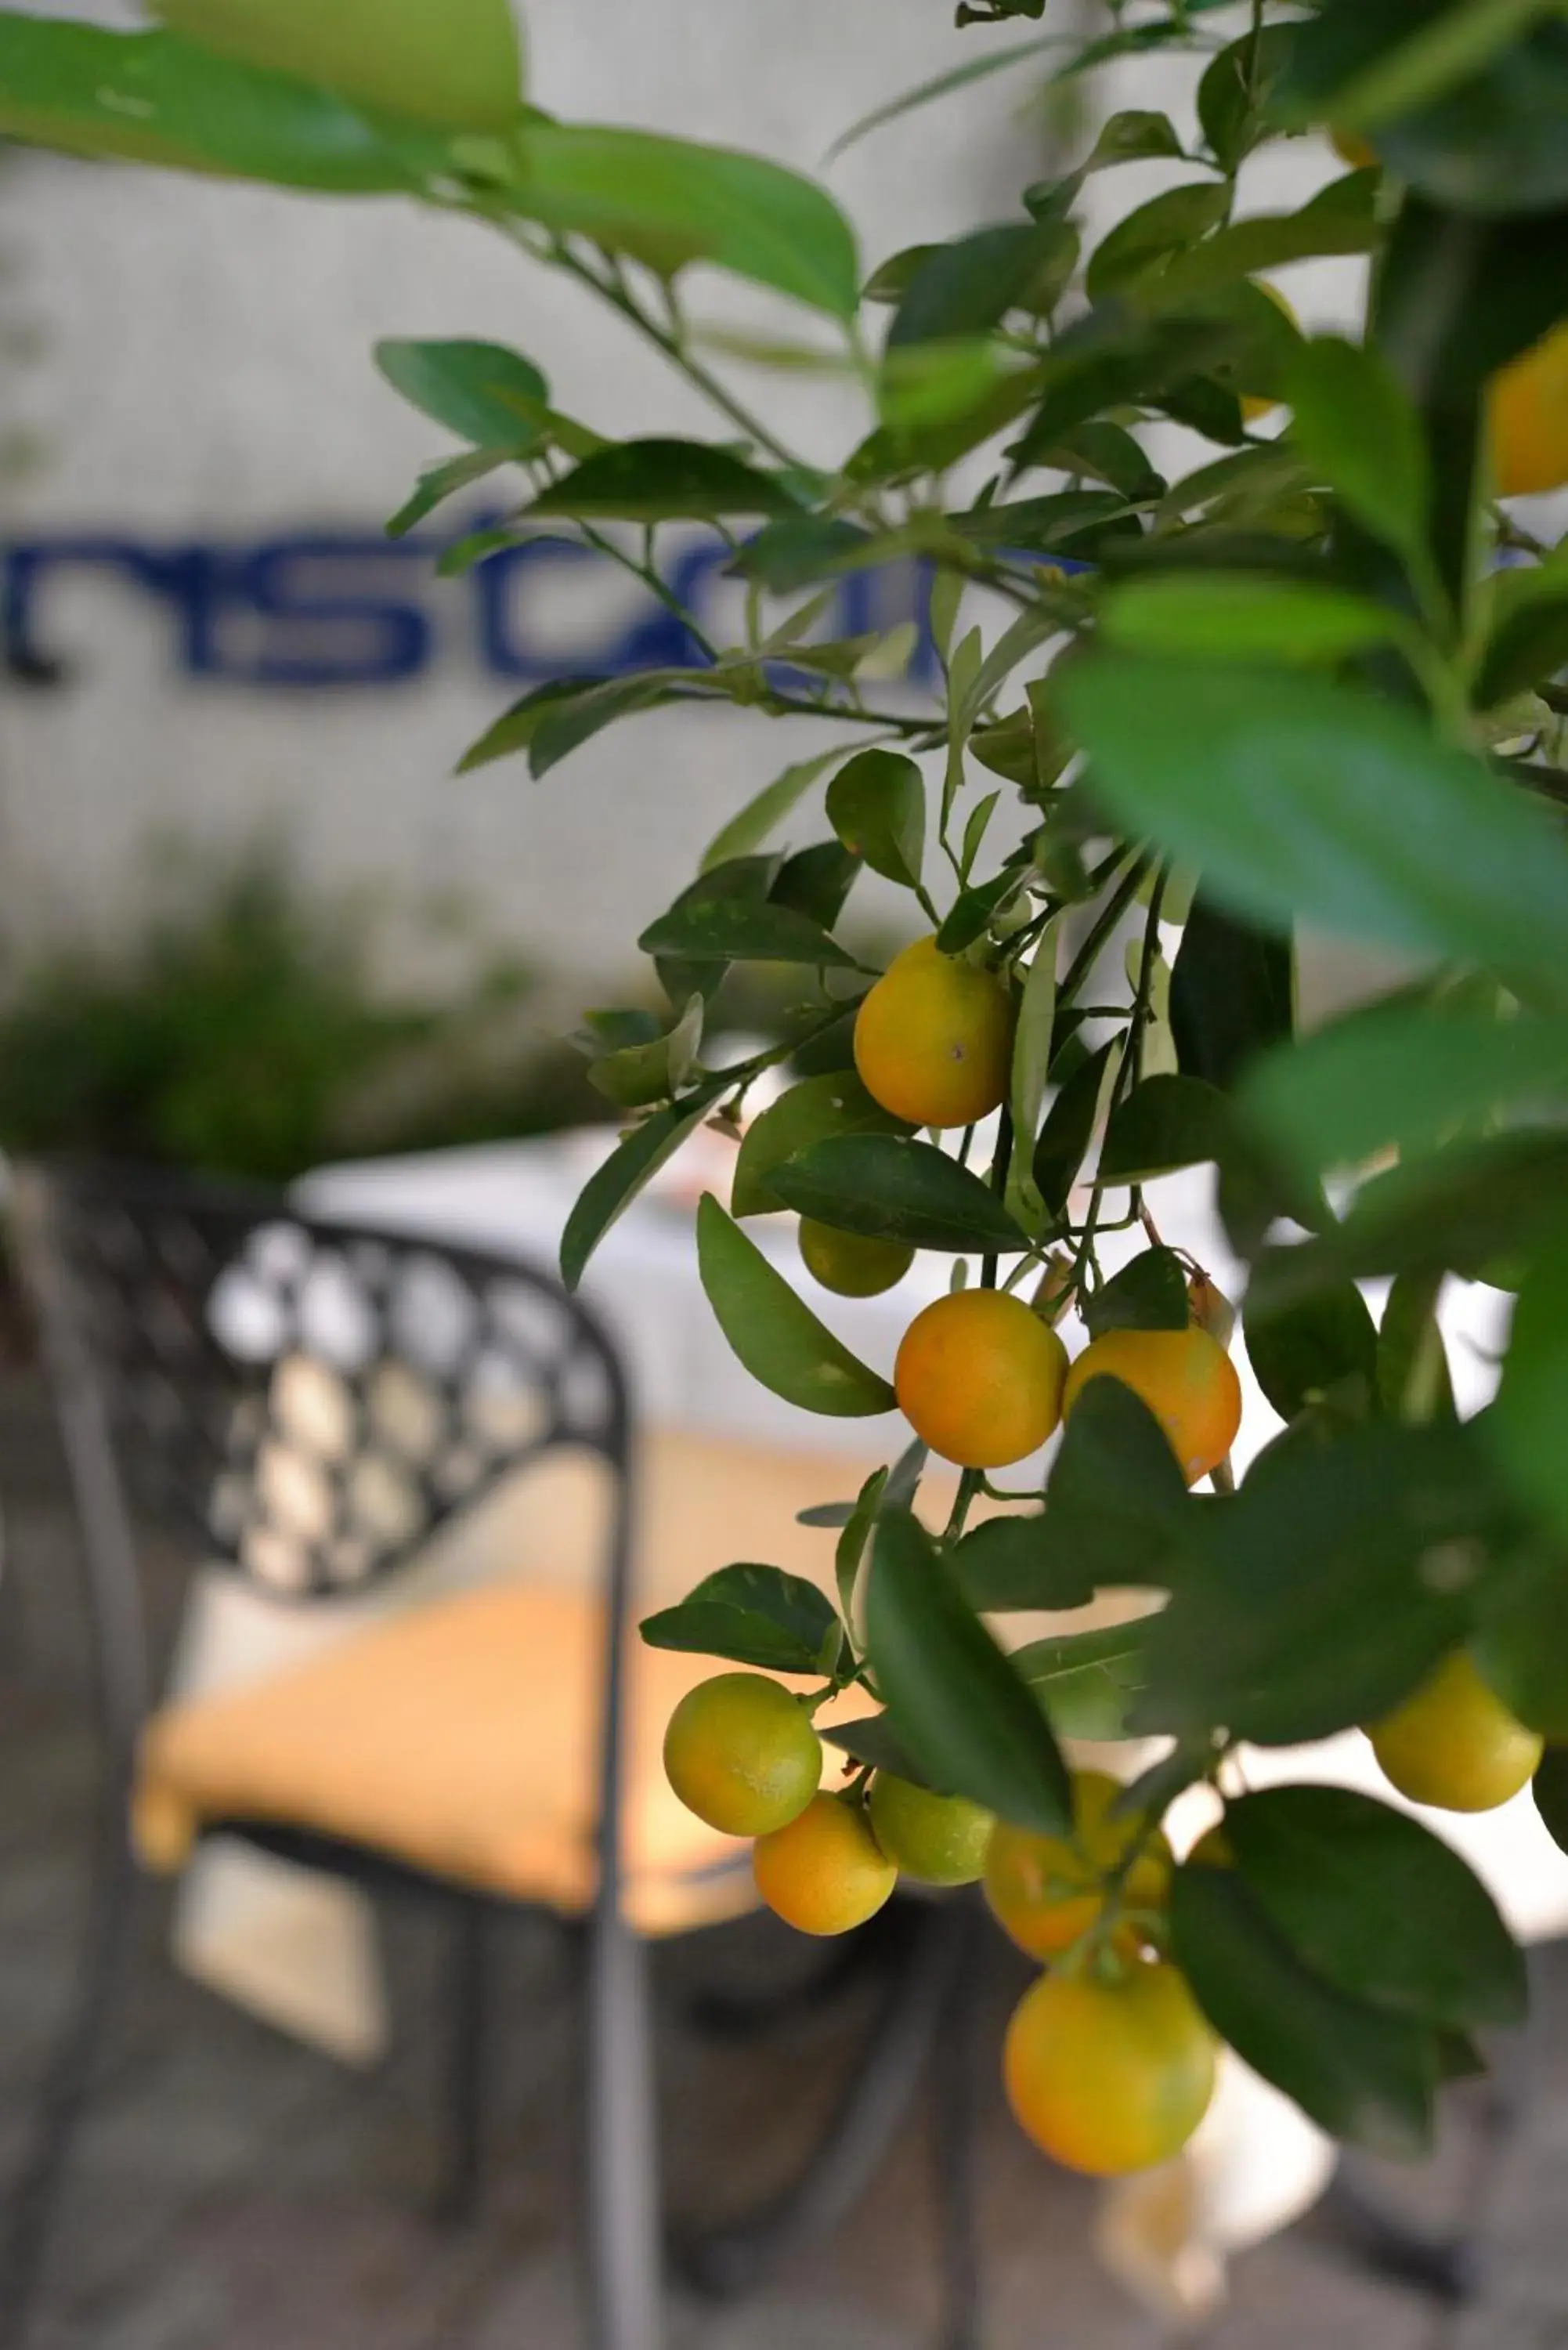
205	391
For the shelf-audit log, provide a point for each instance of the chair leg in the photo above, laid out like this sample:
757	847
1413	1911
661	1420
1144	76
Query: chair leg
35	2200
955	2071
729	2258
625	2277
741	2015
468	2053
1384	2240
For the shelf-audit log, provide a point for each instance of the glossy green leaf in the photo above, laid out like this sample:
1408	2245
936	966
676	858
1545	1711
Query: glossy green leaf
1115	1513
854	1536
1528	638
1521	1644
663	481
612	1188
556	718
653	1066
1377	1906
1331	223
1111	454
1149	1292
155	98
457	65
970	915
895	1188
1162	225
1134	135
1302	799
1413	1380
816	880
750	827
1164	1123
738	930
877	806
1242	618
1355	423
439	482
1322	1346
667	201
1385	59
1360	2073
812	1110
776	1337
1402	1075
1233	94
481	392
1231	995
1318	1596
969	286
1032	1036
1086	1681
872	1739
1531	1422
1069	1125
1492	145
953	1700
1550	1789
751	1614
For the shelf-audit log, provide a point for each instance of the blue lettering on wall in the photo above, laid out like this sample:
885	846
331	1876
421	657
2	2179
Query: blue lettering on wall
324	607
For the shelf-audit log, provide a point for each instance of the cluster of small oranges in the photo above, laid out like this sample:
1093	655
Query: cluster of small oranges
980	1376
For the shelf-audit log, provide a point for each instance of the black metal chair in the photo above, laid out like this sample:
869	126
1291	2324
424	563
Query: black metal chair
165	1310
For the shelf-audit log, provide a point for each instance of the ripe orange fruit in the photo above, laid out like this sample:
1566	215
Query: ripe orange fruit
933	1039
979	1378
936	1839
1527	419
741	1753
1046	1891
1454	1744
1185	1377
1110	2075
852	1265
824	1872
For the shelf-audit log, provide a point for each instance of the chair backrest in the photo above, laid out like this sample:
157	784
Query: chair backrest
305	1401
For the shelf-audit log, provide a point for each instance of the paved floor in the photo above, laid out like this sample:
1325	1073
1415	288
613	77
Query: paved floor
236	2192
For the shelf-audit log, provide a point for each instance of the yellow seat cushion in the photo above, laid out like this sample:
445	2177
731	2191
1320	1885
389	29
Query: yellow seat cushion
460	1737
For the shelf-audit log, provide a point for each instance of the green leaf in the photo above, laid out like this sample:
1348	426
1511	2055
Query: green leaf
1069	1125
1360	2073
1550	1789
815	881
1521	1642
1165	225
1114	1511
748	828
155	98
970	915
1409	57
1492	145
1230	994
877	806
458	67
1377	1906
667	201
897	1190
1527	641
953	1700
855	1534
1318	1596
1356	426
1086	1681
749	878
438	483
836	1104
1150	1293
1405	1075
1233	94
968	286
1134	136
1032	1039
751	1614
1110	453
873	1739
558	717
1412	1381
613	1187
1164	1123
663	481
653	1066
1325	1346
1247	617
475	389
1302	799
1465	1210
956	78
738	930
1530	1421
777	1337
1331	223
